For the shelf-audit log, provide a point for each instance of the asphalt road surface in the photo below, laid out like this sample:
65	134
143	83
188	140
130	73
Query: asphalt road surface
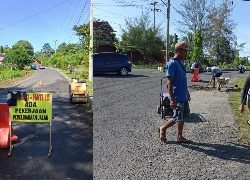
126	143
72	137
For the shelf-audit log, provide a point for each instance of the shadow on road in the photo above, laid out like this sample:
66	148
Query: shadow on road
195	118
232	152
233	89
203	81
119	76
72	141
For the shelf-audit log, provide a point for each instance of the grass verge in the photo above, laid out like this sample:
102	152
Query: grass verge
240	118
147	66
15	79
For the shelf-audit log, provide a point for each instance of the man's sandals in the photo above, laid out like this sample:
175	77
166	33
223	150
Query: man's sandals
162	135
184	140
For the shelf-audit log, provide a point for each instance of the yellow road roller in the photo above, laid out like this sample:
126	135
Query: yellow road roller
78	91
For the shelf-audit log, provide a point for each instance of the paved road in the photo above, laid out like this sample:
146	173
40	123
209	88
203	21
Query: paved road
126	145
72	137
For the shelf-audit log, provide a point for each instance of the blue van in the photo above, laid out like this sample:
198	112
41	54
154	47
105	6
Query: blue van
33	66
110	62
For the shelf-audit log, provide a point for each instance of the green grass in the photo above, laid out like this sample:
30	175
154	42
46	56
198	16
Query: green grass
240	118
8	77
147	66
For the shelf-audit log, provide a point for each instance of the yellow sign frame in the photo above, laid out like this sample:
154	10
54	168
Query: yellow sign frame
37	108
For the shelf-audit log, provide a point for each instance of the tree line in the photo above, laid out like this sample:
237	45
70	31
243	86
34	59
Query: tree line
71	56
206	25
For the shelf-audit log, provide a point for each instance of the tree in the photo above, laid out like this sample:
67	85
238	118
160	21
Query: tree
213	20
222	40
1	50
42	57
102	31
82	31
197	46
194	15
140	35
62	47
69	48
47	49
27	45
18	57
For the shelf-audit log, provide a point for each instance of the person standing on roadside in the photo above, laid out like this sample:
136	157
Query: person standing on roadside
245	96
178	93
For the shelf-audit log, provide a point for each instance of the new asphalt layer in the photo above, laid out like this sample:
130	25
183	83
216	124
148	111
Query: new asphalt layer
126	143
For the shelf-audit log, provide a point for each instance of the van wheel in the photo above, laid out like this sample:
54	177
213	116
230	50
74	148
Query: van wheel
123	71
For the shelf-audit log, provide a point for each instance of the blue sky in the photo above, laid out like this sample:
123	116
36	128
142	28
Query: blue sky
39	22
115	14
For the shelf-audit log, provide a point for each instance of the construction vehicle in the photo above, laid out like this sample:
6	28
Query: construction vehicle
78	91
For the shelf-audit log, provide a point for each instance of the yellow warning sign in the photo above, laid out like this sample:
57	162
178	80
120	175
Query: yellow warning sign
37	108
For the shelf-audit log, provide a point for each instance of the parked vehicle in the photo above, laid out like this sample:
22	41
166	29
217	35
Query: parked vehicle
42	67
242	69
109	62
33	66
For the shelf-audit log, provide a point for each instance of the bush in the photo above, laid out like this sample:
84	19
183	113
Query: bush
9	74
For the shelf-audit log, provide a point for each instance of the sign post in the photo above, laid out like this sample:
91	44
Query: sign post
37	108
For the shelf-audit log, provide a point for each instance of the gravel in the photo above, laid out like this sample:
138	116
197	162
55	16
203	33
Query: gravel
126	143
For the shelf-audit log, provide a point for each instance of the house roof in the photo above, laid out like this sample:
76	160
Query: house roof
104	25
1	58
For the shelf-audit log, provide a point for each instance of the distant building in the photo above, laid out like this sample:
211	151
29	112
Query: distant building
1	59
104	36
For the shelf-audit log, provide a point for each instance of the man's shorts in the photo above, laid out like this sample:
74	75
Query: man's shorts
181	112
218	74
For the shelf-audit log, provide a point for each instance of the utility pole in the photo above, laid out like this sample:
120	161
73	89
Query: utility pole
167	38
55	45
91	42
154	4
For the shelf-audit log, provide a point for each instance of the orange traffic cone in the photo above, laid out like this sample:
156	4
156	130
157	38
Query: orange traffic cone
195	77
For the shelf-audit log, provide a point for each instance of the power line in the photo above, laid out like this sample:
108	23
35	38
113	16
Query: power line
128	3
34	15
65	18
81	15
111	12
71	21
155	10
121	5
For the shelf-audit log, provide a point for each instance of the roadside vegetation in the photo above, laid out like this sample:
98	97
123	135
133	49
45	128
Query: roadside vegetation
206	26
71	58
8	76
240	118
147	66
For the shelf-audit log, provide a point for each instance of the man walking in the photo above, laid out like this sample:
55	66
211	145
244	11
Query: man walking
178	92
245	95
